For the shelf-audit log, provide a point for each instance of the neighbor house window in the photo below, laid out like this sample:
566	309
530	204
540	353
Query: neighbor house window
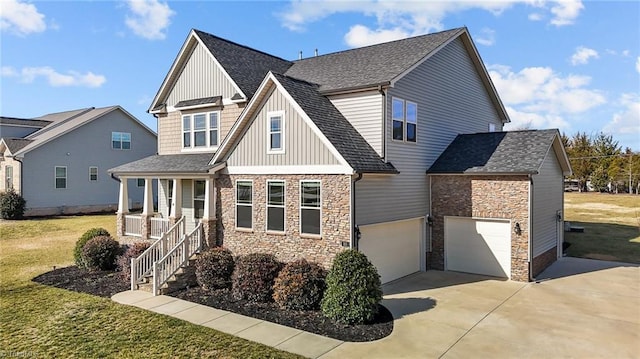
120	140
200	130
198	198
310	207
244	204
140	182
405	120
492	127
61	177
93	174
275	206
276	133
8	177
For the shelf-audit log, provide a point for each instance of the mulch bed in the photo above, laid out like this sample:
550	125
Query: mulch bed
107	283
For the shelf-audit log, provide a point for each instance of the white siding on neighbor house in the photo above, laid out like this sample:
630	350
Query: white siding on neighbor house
548	192
301	145
364	111
451	100
200	77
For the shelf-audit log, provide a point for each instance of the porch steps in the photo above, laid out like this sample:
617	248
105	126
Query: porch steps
185	277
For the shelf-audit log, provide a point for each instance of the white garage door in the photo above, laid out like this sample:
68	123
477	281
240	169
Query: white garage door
481	246
393	247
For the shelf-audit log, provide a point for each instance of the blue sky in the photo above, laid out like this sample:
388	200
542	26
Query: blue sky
572	65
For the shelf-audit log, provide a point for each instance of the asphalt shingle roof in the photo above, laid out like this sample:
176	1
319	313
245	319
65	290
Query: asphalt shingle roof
344	137
246	66
496	152
368	66
181	163
23	122
16	144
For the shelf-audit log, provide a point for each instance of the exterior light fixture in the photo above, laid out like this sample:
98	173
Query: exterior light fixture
517	229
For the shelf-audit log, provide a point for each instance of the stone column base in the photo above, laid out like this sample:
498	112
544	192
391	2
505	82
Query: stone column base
145	231
209	233
120	224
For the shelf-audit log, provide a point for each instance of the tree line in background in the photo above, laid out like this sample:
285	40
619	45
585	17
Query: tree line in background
600	164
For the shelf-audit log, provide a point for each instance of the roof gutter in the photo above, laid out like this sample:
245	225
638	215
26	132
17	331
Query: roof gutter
347	90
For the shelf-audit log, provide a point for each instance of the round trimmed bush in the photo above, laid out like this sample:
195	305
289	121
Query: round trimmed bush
253	277
299	286
12	205
91	233
100	253
214	268
123	261
353	289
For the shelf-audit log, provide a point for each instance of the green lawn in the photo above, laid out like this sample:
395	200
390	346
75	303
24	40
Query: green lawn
39	321
611	226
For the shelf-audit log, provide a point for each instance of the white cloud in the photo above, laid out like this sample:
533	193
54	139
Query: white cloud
360	35
21	18
487	37
582	55
542	97
566	11
149	19
535	16
54	78
638	64
625	123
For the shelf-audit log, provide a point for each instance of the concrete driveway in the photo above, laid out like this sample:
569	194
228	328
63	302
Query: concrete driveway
578	308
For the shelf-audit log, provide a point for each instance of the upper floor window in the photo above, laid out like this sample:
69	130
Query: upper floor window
8	176
120	140
61	177
492	127
276	132
405	120
201	130
93	174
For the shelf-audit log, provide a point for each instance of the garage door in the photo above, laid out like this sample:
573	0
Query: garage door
481	246
393	247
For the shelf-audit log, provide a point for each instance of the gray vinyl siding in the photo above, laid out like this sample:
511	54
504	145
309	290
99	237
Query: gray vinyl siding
364	111
85	146
451	100
200	77
302	146
547	200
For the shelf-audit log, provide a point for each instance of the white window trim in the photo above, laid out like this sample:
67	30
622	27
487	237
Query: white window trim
406	122
300	207
90	168
121	133
193	197
280	114
192	147
55	177
235	208
8	177
283	206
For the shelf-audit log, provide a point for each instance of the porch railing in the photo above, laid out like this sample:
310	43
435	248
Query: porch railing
158	227
176	258
143	265
133	225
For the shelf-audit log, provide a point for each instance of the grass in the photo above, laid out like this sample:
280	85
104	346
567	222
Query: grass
40	321
611	226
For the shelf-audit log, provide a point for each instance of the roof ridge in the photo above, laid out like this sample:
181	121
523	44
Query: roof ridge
59	123
241	45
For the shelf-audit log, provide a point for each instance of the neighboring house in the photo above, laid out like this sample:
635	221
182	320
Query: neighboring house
58	162
307	158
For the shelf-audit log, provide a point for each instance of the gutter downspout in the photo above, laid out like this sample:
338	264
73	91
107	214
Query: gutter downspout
384	122
530	229
355	236
113	177
21	176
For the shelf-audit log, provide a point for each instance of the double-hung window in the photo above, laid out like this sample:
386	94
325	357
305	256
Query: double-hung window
198	198
405	120
8	177
310	204
201	130
244	204
61	177
121	140
93	174
276	132
275	206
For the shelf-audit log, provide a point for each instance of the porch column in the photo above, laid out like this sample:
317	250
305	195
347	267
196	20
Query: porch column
209	216
123	207
176	201
147	208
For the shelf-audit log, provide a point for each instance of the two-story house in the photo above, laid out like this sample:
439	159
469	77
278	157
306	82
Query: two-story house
306	158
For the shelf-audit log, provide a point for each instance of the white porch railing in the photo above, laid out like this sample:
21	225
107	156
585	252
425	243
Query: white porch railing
158	227
142	266
133	225
176	258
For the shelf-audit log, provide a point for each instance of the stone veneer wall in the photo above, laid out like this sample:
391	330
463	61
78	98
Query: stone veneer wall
289	246
504	197
544	260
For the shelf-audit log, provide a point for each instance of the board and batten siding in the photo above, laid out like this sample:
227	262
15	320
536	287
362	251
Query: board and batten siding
301	145
201	77
548	192
451	100
364	111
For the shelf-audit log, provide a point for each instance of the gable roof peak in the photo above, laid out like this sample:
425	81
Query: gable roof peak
201	34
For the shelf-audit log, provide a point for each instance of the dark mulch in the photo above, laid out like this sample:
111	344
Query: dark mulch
107	283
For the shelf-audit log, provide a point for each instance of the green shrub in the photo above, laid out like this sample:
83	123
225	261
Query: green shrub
123	261
299	286
214	268
100	253
253	277
12	205
353	289
77	251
